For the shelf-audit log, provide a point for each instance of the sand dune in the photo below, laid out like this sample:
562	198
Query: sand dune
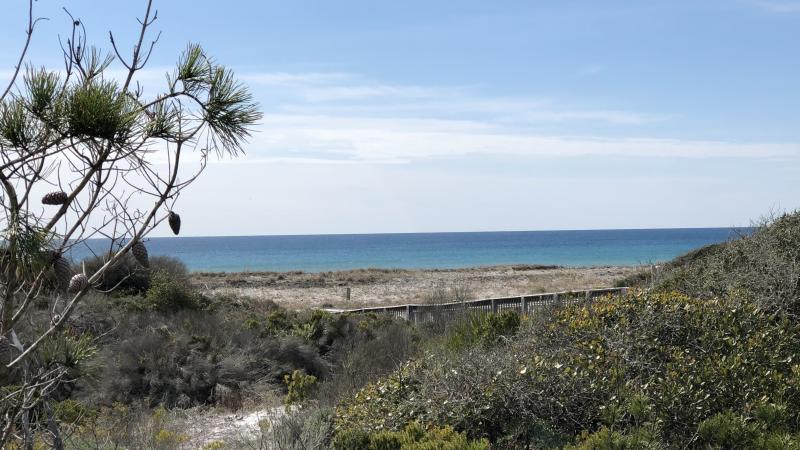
373	287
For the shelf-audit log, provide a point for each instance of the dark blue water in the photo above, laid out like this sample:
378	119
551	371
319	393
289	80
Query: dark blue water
433	250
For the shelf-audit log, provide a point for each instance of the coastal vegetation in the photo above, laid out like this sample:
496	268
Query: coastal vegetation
681	361
123	350
703	354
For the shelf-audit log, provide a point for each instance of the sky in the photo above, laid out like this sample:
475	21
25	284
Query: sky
431	115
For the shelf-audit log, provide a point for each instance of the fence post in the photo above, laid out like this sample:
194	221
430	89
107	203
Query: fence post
408	313
347	294
524	306
494	305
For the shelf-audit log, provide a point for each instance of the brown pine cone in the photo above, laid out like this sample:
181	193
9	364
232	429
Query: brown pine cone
174	222
55	198
140	253
78	283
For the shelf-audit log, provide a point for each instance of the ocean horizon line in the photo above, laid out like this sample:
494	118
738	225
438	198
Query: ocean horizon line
401	233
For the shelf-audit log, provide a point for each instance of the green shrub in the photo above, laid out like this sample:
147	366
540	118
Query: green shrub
412	437
170	293
482	329
279	321
299	386
606	439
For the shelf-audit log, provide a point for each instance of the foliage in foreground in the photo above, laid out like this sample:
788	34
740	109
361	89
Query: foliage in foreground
647	367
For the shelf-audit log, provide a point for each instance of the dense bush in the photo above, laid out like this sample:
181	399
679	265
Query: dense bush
482	329
764	264
683	360
178	359
363	360
167	292
184	356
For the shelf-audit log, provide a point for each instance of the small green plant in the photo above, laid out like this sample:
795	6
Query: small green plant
299	385
279	321
413	437
163	437
214	445
166	439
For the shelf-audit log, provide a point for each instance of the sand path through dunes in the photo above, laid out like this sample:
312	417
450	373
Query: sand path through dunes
227	427
375	287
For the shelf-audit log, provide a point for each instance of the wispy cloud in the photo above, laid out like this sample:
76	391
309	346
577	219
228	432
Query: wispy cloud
346	118
374	140
778	6
341	94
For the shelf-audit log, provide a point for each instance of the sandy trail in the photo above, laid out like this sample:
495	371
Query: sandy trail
228	427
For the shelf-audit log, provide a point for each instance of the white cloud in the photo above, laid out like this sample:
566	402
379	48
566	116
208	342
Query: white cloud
340	118
393	139
777	6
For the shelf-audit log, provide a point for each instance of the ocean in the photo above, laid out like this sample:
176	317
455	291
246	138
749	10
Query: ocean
319	253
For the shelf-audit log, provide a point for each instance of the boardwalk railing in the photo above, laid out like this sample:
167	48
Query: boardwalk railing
524	304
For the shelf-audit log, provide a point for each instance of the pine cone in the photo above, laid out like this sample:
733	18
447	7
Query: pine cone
55	198
140	253
174	222
78	283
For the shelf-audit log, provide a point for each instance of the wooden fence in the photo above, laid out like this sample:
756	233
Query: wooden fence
524	304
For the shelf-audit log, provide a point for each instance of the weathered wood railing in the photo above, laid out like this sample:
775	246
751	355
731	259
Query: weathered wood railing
524	304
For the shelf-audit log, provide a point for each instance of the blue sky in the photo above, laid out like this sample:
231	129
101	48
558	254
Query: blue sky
473	115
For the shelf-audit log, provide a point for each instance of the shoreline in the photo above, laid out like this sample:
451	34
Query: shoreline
383	287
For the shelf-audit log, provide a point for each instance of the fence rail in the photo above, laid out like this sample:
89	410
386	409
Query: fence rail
524	304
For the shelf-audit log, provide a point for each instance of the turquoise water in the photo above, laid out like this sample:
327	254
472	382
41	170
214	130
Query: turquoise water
432	250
